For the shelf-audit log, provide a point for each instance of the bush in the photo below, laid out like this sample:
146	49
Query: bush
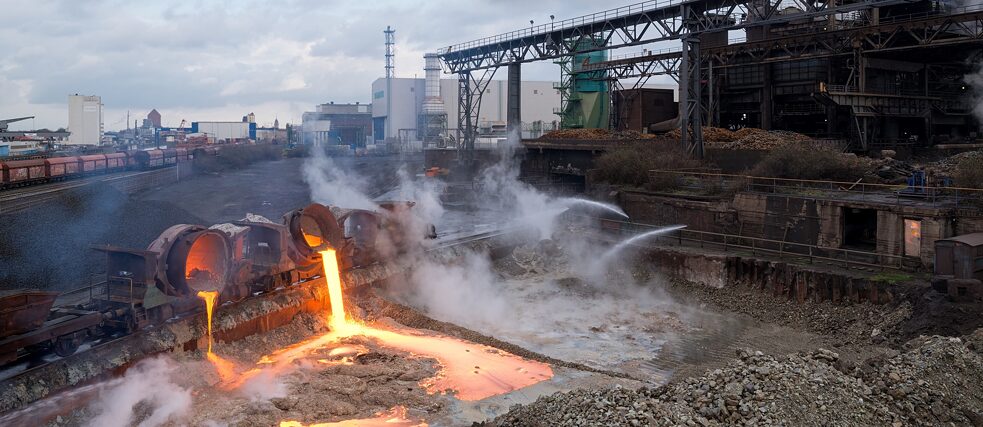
630	164
969	172
802	160
237	157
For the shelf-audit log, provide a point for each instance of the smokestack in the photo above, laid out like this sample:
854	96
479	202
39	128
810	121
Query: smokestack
432	103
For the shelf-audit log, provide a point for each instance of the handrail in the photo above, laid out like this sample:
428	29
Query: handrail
891	187
592	18
730	241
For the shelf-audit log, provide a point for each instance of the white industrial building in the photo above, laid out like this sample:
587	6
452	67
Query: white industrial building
84	120
538	98
224	132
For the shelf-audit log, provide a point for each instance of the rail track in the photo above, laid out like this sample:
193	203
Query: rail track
19	199
13	370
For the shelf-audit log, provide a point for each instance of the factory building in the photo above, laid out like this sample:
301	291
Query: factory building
539	100
338	124
84	120
225	132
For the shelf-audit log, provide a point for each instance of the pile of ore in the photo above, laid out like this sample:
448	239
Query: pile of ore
746	138
596	134
935	381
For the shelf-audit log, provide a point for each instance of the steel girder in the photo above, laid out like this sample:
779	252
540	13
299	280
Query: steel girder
636	24
928	32
470	87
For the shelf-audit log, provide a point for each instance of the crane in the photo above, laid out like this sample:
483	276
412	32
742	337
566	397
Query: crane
4	124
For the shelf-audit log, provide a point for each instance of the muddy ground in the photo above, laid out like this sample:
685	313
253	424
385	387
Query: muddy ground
47	247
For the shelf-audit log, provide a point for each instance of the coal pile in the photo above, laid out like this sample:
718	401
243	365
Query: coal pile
936	380
48	246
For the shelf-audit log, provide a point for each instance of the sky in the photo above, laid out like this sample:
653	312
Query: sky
219	60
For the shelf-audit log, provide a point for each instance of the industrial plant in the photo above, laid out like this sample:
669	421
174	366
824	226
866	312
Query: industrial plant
709	212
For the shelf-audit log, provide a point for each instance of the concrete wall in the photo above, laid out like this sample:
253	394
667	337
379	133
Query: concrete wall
798	282
801	220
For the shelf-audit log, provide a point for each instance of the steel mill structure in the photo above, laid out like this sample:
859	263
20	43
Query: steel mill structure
233	260
888	71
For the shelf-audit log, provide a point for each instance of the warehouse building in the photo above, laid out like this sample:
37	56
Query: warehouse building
225	132
338	124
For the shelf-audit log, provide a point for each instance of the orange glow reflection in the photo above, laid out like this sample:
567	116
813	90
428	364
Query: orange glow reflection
473	371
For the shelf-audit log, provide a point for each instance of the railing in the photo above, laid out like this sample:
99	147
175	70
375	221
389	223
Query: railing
724	242
647	6
925	196
564	24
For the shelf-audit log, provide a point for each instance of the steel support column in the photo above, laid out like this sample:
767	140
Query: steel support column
469	92
514	107
690	114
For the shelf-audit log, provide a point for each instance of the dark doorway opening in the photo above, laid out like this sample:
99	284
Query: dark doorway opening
860	228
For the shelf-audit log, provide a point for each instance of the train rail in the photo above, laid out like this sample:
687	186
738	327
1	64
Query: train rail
35	363
19	199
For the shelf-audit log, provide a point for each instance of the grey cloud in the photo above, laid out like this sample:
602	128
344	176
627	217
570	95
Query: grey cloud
196	55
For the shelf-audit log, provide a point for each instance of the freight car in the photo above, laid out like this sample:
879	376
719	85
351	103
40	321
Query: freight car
17	173
255	255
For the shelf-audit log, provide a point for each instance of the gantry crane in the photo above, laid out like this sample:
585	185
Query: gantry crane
5	123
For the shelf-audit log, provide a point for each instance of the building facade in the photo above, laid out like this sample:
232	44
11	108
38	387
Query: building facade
85	120
338	124
539	100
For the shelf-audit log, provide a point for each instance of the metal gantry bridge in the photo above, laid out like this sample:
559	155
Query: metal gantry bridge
476	62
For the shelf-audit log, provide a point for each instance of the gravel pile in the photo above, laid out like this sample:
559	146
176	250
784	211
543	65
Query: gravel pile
948	165
937	380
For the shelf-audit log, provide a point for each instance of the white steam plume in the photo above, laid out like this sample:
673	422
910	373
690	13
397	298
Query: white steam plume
149	383
331	185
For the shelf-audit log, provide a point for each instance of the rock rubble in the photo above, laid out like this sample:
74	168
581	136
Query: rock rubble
935	381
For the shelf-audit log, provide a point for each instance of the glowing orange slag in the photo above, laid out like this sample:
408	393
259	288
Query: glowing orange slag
332	276
312	240
395	417
225	368
472	371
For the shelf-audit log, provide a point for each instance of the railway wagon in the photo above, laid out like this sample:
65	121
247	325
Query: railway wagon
93	164
116	162
149	159
57	168
170	156
132	162
22	172
182	155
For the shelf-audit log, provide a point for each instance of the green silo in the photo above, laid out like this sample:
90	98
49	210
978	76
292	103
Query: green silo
584	97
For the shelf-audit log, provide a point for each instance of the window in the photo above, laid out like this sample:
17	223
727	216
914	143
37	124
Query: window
912	237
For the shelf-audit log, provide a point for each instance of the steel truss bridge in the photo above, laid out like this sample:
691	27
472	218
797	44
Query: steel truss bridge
476	62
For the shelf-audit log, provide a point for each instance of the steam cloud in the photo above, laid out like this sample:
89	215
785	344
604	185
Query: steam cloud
148	383
331	185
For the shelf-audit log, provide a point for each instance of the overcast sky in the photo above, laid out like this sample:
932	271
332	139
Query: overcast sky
218	60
